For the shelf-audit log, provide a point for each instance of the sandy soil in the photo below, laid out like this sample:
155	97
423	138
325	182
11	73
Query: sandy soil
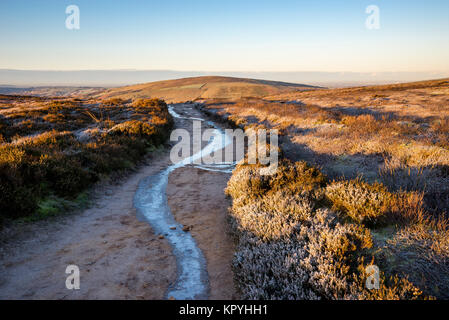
197	200
119	256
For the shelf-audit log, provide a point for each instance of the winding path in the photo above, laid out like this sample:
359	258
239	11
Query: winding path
121	257
151	202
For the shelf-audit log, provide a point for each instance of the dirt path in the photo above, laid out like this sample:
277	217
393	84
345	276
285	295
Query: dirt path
197	200
119	256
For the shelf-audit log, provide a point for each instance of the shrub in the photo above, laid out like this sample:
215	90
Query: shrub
363	124
296	177
114	102
373	204
60	164
274	216
150	103
362	202
290	247
66	177
134	128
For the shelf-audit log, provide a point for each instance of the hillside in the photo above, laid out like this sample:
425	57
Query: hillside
423	98
365	180
51	91
204	88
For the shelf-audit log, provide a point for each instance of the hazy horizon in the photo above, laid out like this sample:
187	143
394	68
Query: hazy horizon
112	78
233	37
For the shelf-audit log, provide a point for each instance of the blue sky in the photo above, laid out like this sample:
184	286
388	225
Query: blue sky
245	35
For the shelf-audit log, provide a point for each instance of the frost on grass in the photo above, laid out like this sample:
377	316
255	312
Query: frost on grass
293	245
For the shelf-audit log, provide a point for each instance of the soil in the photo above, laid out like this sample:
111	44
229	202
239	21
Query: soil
196	198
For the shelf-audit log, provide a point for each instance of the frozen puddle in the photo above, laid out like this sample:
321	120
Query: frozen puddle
151	203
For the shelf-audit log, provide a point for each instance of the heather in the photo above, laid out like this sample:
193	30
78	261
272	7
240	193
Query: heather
298	240
53	150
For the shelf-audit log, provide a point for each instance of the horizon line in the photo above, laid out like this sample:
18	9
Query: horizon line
224	71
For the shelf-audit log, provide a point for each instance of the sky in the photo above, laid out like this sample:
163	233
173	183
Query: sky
231	35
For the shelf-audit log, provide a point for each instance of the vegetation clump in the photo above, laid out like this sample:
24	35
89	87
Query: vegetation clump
54	150
292	246
362	202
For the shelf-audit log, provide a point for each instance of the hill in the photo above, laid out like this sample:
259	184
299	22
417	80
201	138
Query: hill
423	98
209	87
51	91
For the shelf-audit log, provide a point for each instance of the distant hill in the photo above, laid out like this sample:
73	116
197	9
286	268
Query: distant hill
51	91
116	78
209	87
351	92
425	99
